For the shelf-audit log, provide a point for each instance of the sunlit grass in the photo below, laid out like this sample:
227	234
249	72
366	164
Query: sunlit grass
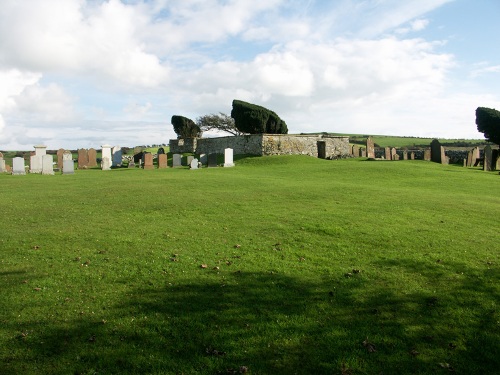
178	271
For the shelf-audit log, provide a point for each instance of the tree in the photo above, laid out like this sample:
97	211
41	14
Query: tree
185	127
221	122
488	123
254	119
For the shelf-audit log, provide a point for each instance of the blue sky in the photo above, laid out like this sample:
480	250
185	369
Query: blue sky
82	73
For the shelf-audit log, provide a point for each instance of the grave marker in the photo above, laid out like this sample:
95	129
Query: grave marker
83	158
387	153
212	160
60	154
189	159
47	164
162	161
194	164
148	160
370	148
68	164
106	158
92	156
177	160
18	166
488	159
228	157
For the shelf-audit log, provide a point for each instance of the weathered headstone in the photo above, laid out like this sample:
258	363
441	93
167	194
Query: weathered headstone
117	156
212	160
412	156
176	160
355	151
427	154
2	164
496	160
68	164
18	166
36	161
194	164
148	160
83	158
362	152
203	159
395	157
437	152
162	161
405	154
131	163
106	154
393	154
189	159
387	153
370	148
488	158
47	164
474	156
92	155
60	154
228	157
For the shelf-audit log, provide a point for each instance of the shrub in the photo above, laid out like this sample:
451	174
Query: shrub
254	119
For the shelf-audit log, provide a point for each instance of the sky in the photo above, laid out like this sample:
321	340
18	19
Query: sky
83	73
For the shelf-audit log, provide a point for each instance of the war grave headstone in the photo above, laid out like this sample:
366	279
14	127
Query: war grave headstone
83	158
60	154
68	164
162	161
203	159
228	157
212	160
194	164
106	157
48	164
387	153
148	160
370	148
427	154
488	158
177	160
117	156
92	157
18	166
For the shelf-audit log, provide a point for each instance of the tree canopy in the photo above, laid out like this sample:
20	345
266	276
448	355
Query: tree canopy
221	122
254	119
488	123
185	127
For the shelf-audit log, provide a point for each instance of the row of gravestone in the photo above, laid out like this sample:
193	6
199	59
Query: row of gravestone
39	163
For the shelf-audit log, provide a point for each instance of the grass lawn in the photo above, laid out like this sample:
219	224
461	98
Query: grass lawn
281	265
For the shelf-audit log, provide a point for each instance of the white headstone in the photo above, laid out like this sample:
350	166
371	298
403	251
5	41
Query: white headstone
18	166
106	154
40	150
228	157
36	163
194	164
47	164
176	160
106	164
2	165
117	156
68	164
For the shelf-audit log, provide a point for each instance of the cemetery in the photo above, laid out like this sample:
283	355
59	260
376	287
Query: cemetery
155	261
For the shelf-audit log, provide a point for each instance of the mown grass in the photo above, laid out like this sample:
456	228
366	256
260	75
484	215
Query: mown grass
101	272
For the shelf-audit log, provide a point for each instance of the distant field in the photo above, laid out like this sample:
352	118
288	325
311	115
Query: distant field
281	265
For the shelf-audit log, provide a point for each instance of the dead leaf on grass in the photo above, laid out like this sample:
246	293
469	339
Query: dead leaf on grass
203	266
37	289
237	246
36	247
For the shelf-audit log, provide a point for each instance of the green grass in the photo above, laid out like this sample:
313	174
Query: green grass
100	271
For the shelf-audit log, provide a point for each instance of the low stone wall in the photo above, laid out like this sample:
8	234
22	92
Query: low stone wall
324	146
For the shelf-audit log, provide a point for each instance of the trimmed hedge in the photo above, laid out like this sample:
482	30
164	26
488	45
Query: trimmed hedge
185	127
254	119
488	123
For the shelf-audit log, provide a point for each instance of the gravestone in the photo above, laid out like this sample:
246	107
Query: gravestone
496	160
355	151
474	156
2	164
212	160
370	148
194	164
405	155
412	156
60	154
148	160
228	157
395	157
387	153
189	159
68	164
106	164
162	161
47	164
117	156
437	152
488	158
92	157
18	166
203	159
161	151
362	152
36	161
83	158
427	154
106	154
131	163
393	154
177	160
469	159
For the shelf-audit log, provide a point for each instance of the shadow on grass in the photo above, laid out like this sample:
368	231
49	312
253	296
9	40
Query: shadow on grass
275	324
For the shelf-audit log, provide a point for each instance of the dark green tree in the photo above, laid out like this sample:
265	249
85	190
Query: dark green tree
254	119
221	122
488	123
185	127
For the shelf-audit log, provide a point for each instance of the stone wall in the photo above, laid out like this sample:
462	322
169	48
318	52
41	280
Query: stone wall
324	146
